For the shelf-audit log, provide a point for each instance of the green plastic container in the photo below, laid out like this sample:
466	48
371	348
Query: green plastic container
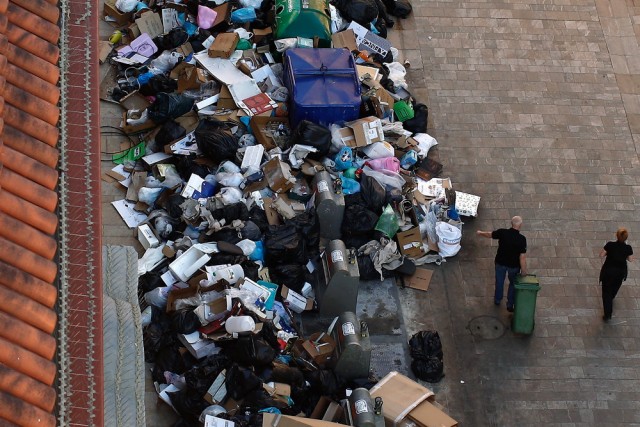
404	110
303	18
526	293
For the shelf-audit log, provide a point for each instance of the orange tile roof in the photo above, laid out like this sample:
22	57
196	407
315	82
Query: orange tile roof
29	134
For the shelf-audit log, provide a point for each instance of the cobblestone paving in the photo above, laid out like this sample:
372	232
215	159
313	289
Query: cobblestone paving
535	106
536	109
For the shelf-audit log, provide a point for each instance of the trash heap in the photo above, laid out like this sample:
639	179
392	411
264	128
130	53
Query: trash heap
276	158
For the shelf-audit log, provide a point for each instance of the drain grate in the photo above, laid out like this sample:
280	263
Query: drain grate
486	327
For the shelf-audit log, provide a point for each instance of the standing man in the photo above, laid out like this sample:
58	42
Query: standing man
510	259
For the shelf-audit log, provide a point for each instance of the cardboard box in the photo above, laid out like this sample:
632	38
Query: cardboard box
187	264
428	415
365	131
211	421
111	11
400	395
134	101
327	410
277	420
146	237
217	393
261	126
278	175
127	128
410	242
320	347
297	303
188	76
198	347
224	45
278	391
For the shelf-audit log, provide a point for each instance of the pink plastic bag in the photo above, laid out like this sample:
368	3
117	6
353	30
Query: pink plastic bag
206	17
386	163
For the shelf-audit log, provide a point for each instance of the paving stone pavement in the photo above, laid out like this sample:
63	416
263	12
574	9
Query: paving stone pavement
536	108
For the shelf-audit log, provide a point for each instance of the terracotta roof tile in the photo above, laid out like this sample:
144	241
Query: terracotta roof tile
29	135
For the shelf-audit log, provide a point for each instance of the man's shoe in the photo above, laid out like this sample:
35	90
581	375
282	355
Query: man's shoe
496	302
510	309
606	318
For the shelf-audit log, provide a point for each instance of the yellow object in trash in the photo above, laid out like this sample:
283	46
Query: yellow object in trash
115	37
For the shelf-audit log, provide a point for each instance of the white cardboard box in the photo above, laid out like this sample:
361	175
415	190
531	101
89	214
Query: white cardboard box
188	263
197	346
146	237
211	421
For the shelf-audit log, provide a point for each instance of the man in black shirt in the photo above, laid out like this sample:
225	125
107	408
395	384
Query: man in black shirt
510	258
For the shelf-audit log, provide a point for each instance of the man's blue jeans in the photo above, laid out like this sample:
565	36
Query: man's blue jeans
501	273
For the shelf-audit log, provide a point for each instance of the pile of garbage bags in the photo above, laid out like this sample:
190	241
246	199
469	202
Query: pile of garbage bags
261	131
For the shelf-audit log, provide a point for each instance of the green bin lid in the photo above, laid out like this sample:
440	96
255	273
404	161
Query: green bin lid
530	282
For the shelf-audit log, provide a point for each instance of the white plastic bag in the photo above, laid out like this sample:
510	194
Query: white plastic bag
396	75
230	195
126	6
448	239
425	142
230	179
378	150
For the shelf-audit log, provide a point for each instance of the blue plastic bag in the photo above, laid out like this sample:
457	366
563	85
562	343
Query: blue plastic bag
240	16
258	252
344	159
350	186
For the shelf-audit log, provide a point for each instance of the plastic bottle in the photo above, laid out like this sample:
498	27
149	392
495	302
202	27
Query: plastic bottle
236	324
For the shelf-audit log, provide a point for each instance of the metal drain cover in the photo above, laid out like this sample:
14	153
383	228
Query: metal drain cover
486	327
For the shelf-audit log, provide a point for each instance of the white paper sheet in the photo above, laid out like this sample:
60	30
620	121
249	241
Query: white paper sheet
130	216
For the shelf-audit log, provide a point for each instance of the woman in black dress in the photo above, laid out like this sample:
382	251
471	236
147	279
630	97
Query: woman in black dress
614	269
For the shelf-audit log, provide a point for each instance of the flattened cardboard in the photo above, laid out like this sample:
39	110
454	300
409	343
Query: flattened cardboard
272	216
400	396
362	132
150	23
104	50
427	414
223	14
420	279
224	45
297	303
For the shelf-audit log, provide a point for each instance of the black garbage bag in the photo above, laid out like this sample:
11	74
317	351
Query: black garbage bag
283	244
430	369
156	336
259	399
368	271
231	212
324	382
292	276
358	221
425	344
383	14
418	124
158	83
381	26
360	11
215	142
185	321
373	193
240	381
248	350
250	269
149	281
187	166
172	205
281	373
174	38
251	231
169	359
315	135
307	224
189	404
220	258
201	376
229	235
168	106
259	217
399	8
169	132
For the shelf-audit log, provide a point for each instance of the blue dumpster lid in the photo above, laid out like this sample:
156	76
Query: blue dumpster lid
323	77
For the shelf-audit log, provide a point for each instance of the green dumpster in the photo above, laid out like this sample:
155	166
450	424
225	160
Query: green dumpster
526	292
303	18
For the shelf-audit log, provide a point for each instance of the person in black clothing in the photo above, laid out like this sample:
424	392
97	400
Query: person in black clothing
510	258
614	269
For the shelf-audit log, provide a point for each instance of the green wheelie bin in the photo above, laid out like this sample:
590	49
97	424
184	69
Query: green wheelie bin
526	292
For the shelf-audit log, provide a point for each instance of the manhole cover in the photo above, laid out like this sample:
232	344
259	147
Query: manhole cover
487	327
